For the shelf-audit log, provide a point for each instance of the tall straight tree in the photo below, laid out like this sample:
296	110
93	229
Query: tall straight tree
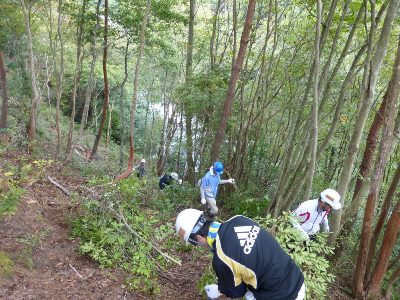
31	127
91	81
129	169
105	79
366	102
4	93
377	177
60	74
77	76
188	114
388	242
235	72
314	113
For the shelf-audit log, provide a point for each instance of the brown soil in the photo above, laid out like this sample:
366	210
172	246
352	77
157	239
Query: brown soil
52	268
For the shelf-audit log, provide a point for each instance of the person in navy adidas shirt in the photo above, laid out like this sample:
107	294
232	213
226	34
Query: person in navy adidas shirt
247	260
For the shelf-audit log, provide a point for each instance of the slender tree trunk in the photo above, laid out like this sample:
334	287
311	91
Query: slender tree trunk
367	99
4	92
129	169
121	106
60	75
395	275
106	89
188	112
388	243
77	75
382	157
91	81
314	113
230	95
31	127
109	125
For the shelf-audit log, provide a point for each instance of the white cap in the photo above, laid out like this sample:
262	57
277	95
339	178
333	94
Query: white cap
185	222
143	160
174	175
331	197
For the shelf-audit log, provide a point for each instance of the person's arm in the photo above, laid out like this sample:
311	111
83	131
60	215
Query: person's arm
203	186
325	223
226	282
300	215
223	181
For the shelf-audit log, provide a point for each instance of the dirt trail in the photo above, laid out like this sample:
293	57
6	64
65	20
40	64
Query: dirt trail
47	264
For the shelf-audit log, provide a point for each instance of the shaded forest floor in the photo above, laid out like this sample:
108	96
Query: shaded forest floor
46	261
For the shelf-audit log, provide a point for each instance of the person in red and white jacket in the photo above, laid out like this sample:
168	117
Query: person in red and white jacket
312	213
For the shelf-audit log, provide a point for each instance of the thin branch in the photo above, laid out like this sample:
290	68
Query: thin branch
66	192
80	274
121	216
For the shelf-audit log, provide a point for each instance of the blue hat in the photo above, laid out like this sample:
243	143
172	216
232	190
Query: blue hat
218	167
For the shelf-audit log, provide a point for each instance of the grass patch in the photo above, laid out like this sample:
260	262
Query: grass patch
6	265
9	200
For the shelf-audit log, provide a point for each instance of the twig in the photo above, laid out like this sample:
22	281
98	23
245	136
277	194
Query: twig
68	193
80	274
121	216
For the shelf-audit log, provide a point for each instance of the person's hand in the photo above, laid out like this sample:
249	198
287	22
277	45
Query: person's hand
231	181
203	201
212	291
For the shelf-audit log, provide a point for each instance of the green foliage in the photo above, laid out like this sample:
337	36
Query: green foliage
9	200
6	265
310	256
30	241
173	198
106	239
244	203
208	277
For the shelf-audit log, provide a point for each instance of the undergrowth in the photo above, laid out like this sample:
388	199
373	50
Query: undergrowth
119	229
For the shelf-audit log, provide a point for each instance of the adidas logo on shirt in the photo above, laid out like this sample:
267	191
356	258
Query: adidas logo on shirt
247	236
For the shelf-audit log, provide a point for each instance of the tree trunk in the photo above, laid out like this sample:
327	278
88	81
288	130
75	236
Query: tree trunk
4	92
60	75
392	94
391	281
388	243
77	75
382	157
230	95
91	81
314	113
188	112
367	98
106	89
129	169
109	125
31	127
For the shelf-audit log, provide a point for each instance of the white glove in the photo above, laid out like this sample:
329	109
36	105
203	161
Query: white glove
249	296
231	180
203	201
212	291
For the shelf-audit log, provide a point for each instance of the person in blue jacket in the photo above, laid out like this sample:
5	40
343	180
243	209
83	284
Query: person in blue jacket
247	260
209	187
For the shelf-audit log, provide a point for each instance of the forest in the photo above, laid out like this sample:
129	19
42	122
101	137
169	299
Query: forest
102	98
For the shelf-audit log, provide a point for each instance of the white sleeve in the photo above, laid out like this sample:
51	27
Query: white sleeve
296	218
